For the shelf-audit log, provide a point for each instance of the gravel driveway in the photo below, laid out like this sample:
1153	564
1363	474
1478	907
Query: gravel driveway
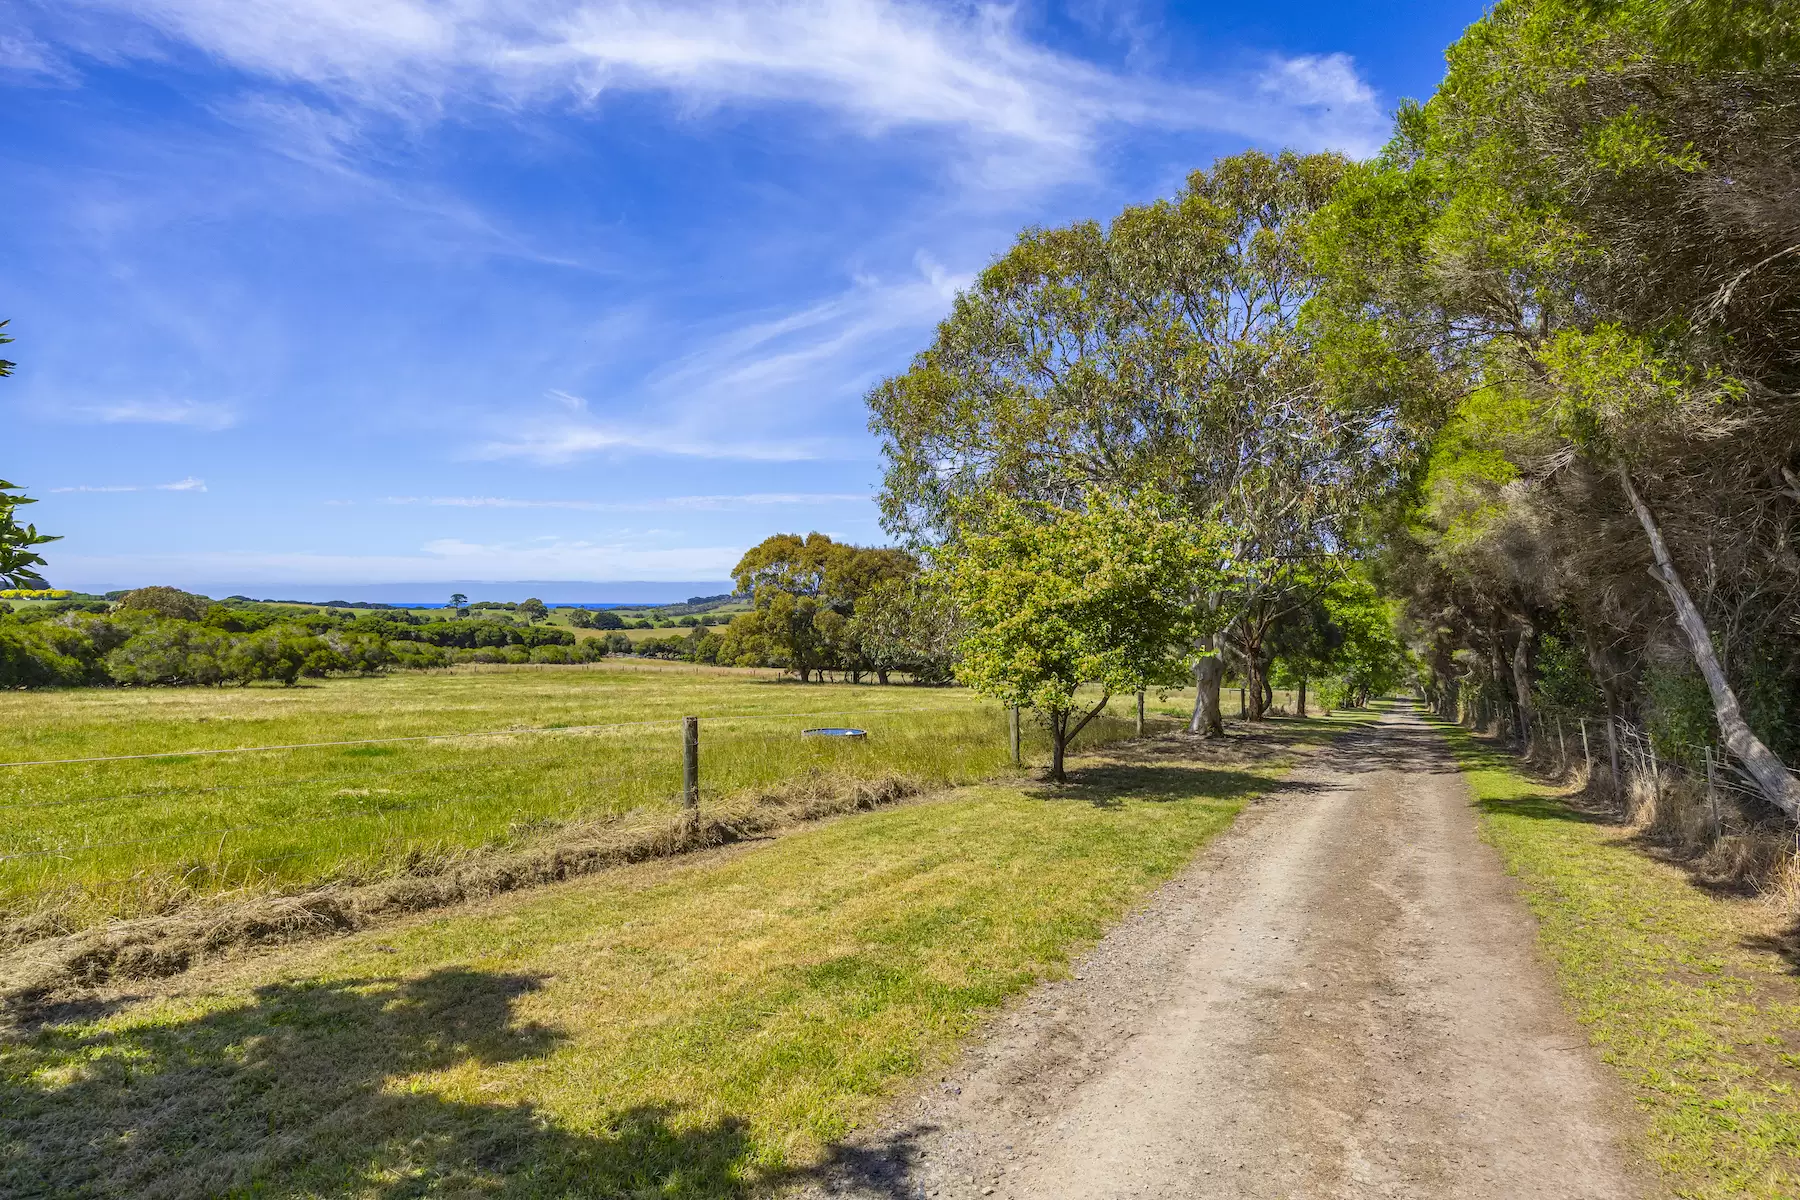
1342	997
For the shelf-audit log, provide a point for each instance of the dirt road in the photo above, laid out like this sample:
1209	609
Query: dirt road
1342	998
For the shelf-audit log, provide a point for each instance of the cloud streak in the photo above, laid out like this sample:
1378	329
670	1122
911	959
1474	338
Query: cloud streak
191	413
190	484
881	65
752	392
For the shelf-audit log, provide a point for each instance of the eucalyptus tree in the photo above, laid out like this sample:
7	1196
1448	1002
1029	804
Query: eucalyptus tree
1162	351
1585	247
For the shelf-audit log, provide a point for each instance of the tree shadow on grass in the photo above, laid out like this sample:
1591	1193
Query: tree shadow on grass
303	1090
1543	808
1109	785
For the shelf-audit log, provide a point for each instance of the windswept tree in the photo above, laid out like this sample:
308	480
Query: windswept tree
1054	600
805	592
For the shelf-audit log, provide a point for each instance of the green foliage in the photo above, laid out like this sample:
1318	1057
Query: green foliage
166	602
1151	352
18	561
806	592
1573	266
1055	600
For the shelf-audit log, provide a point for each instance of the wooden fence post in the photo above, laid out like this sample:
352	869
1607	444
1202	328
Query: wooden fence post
1012	732
1140	714
690	770
1562	745
1712	797
1587	756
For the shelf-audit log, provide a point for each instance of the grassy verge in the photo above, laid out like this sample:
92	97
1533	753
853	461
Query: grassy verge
684	1028
1685	992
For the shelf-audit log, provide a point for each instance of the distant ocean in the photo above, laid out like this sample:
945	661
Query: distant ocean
575	593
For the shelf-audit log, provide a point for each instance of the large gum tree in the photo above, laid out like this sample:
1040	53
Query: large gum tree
1161	351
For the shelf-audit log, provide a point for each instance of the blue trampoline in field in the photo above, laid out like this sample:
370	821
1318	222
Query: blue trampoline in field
835	733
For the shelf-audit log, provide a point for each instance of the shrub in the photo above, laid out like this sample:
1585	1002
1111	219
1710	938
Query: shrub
167	602
27	662
169	652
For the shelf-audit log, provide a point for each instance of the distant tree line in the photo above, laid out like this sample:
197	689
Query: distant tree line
161	635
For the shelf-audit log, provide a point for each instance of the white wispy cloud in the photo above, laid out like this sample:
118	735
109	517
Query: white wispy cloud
664	504
23	56
190	484
751	391
878	64
192	413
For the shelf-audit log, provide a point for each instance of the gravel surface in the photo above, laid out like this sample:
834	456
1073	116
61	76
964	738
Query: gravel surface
1341	997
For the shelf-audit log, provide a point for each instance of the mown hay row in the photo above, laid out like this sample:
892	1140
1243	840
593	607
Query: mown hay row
165	945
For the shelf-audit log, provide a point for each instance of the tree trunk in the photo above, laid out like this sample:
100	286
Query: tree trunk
1300	699
881	676
1059	738
1253	682
1772	777
1521	670
1140	713
1497	668
1209	671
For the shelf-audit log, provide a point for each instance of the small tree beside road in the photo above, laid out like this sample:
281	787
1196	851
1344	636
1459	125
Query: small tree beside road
1054	600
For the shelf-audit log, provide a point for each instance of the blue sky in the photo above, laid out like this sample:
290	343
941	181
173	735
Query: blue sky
341	291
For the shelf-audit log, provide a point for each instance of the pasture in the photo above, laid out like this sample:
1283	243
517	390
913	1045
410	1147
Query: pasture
690	1027
359	779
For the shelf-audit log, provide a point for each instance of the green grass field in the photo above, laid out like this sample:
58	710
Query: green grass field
683	1028
1691	995
93	840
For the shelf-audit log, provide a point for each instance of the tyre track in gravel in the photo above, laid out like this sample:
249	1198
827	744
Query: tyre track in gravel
1341	997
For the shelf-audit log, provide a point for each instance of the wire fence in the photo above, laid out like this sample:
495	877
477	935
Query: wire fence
1620	750
99	842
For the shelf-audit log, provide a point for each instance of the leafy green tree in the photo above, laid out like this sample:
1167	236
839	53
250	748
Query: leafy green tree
1055	600
534	610
1163	351
805	591
1303	647
18	562
908	625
